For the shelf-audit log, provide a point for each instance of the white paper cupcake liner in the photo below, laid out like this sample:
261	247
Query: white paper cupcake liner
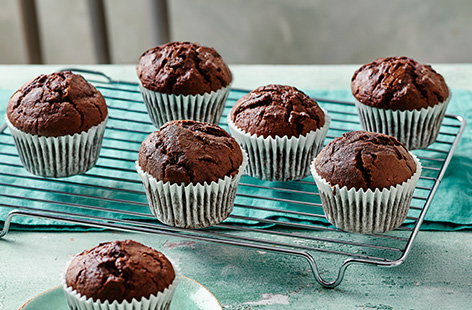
59	156
367	211
159	301
206	107
191	206
280	158
416	128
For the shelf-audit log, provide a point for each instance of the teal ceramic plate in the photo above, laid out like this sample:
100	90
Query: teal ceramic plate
189	295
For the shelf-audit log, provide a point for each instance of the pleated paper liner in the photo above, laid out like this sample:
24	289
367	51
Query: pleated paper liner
366	211
280	158
192	206
163	107
416	128
59	156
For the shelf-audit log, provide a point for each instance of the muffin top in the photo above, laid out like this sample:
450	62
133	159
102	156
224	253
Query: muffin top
183	68
57	104
398	83
190	152
362	159
277	110
119	270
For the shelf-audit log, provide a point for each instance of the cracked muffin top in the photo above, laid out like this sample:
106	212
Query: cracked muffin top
362	159
398	83
57	104
277	110
183	68
119	270
190	152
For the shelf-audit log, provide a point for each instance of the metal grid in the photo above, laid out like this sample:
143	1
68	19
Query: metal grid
119	202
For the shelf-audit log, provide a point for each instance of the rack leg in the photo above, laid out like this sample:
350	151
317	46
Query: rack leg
6	226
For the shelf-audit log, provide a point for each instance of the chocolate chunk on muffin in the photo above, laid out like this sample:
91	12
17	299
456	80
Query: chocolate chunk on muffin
361	159
183	68
57	104
398	83
190	152
119	271
277	110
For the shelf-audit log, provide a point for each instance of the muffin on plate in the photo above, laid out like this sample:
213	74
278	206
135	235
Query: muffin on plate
402	98
190	171
183	80
57	121
281	129
120	275
366	181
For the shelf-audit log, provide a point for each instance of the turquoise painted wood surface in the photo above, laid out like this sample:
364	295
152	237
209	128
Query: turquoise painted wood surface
437	272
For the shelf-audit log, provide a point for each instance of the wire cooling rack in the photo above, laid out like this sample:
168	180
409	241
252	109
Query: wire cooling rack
278	217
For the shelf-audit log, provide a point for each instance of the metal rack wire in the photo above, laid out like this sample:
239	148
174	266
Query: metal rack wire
289	217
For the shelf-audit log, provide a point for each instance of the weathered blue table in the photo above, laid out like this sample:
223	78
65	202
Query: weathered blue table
436	275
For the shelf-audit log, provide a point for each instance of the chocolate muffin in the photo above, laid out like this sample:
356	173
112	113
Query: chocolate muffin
183	80
366	181
402	98
120	271
190	152
57	121
398	83
361	159
183	68
190	171
57	104
281	129
277	110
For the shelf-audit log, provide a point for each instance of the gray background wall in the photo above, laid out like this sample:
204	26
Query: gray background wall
256	31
